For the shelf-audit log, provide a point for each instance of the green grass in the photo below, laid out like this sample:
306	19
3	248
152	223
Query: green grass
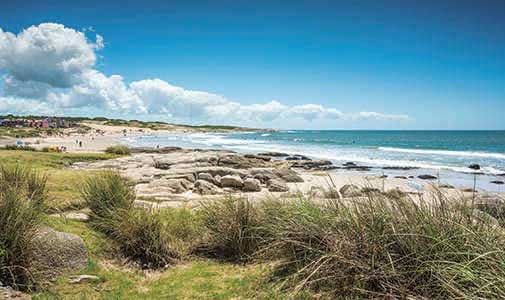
27	132
191	279
22	197
119	150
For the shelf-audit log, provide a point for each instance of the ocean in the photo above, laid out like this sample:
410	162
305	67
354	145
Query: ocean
446	154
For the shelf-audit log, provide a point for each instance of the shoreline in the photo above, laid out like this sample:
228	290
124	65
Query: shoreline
92	142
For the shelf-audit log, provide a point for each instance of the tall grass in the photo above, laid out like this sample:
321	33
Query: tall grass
22	197
233	228
379	247
152	238
109	197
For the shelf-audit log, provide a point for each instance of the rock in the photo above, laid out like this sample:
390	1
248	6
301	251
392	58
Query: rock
297	157
251	185
401	177
155	150
56	253
446	186
357	168
177	185
311	164
490	204
427	177
240	162
474	166
370	190
348	164
383	176
411	176
497	182
288	175
350	190
81	278
275	185
206	177
232	181
204	187
262	157
399	168
469	190
273	154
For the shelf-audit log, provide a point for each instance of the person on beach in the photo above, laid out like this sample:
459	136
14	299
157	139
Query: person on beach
80	143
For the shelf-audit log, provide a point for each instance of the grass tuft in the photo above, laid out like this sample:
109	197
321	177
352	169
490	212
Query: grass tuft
22	197
119	150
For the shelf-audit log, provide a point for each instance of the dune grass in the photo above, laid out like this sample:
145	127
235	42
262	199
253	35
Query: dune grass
22	197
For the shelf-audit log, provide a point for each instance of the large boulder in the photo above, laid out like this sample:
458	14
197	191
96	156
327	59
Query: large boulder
204	187
251	185
311	164
288	175
474	166
232	181
206	177
275	185
350	190
262	157
56	253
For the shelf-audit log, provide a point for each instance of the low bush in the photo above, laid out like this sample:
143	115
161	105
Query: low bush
119	150
22	198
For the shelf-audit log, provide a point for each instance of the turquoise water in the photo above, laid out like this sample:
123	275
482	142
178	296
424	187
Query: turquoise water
447	153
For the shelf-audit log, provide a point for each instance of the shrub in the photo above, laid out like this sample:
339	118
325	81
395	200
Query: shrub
380	247
108	195
119	150
232	226
22	197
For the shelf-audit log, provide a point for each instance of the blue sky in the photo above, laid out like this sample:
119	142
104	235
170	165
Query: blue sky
441	63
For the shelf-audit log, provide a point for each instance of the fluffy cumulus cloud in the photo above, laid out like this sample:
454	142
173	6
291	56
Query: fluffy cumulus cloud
51	68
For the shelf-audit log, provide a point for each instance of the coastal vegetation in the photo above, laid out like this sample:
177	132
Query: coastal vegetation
120	150
377	245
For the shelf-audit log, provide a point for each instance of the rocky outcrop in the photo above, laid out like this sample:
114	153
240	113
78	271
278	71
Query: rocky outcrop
56	253
204	187
251	185
274	154
497	182
262	157
311	164
275	185
297	157
240	162
350	190
232	181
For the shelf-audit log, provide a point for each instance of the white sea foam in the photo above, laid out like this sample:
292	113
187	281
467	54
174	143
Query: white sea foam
445	152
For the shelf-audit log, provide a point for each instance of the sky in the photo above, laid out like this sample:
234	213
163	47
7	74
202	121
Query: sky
277	64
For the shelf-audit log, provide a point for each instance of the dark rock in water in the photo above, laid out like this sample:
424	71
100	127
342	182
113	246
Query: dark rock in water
427	177
474	166
273	154
262	157
401	177
297	157
357	168
497	182
349	164
399	168
327	168
311	164
411	176
503	174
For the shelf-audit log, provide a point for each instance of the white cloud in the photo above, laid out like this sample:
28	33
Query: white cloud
50	68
